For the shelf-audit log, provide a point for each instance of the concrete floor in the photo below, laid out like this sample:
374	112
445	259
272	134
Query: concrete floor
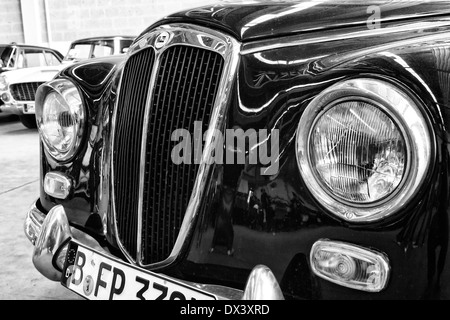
19	188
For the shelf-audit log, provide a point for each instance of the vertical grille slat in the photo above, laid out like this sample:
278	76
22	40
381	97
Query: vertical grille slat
184	91
177	106
174	207
25	91
127	145
167	225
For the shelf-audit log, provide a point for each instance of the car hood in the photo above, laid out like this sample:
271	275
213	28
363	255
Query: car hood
253	20
36	74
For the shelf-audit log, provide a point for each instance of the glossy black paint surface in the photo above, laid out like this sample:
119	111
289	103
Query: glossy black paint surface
272	89
97	80
415	239
253	21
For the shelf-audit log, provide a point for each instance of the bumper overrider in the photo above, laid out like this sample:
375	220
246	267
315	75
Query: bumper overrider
50	234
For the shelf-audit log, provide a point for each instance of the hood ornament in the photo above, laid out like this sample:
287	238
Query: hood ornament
162	40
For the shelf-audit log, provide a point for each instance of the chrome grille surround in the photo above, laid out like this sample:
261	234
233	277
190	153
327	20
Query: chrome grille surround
25	91
160	39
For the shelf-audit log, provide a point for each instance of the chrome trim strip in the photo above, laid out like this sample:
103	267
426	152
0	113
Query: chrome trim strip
337	35
113	197
156	64
189	35
183	34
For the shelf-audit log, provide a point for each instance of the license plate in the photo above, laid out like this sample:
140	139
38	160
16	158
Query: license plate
96	276
28	108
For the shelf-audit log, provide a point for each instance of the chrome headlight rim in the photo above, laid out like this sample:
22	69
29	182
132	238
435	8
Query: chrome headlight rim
392	99
60	87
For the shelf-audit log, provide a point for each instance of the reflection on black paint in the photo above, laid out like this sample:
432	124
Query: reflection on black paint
223	226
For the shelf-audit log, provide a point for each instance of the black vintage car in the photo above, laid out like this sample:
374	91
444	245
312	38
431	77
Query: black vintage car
263	150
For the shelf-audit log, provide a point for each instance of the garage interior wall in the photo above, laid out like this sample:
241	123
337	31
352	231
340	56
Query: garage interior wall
56	23
10	22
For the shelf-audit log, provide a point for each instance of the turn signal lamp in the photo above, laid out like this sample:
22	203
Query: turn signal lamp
57	185
350	266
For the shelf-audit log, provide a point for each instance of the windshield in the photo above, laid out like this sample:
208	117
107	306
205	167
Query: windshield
125	45
29	58
90	50
97	48
79	51
6	57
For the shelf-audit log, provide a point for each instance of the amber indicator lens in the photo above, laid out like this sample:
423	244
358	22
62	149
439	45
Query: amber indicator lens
358	152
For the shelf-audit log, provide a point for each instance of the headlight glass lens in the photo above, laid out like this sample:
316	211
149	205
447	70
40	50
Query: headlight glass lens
61	120
358	152
364	148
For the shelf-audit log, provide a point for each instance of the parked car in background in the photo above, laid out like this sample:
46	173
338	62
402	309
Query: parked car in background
332	182
17	56
14	56
95	47
18	87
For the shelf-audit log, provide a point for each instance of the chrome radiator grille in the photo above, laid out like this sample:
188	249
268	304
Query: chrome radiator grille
127	145
25	91
184	90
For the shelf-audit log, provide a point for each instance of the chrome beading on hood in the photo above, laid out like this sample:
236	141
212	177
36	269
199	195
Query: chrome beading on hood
166	36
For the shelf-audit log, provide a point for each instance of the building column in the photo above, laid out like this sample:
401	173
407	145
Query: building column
31	20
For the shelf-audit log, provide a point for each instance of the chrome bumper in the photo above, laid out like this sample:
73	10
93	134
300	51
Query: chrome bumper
11	109
18	108
49	233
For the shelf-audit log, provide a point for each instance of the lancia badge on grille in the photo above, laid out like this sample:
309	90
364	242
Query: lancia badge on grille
162	40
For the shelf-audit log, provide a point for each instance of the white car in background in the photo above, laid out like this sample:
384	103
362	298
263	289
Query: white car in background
18	87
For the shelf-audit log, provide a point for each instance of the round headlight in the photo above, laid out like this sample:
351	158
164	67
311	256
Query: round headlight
363	148
60	116
357	151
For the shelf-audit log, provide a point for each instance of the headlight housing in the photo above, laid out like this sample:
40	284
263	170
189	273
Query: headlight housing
363	148
3	83
60	115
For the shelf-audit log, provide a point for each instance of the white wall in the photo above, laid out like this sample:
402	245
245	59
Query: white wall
56	23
